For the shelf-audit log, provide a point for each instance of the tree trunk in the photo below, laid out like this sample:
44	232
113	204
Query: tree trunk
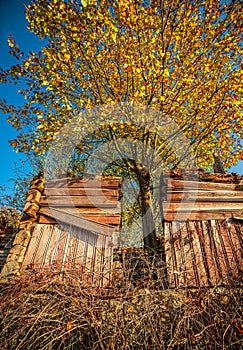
149	232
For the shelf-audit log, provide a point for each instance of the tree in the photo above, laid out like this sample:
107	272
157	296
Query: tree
181	58
9	219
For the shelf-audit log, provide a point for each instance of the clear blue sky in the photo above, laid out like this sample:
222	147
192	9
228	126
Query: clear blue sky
12	21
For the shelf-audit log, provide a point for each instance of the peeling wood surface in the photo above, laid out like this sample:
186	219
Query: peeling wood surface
195	200
72	219
79	201
104	182
113	220
110	193
201	247
202	214
77	229
65	247
202	253
95	199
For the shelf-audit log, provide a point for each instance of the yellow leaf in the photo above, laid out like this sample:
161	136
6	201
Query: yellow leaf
166	72
40	126
69	326
84	3
10	43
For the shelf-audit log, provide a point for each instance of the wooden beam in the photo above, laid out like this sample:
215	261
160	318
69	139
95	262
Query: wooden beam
201	194
198	206
101	211
113	220
79	201
77	221
178	197
105	182
82	192
181	184
202	215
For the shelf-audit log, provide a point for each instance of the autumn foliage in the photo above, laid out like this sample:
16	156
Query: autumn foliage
182	58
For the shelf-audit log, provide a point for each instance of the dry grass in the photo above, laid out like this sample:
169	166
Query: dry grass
49	310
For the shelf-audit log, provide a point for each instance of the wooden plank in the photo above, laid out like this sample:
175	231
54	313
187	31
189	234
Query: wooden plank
97	211
79	255
181	184
105	212
43	219
232	245
203	270
113	220
57	260
79	201
205	195
198	206
188	237
106	182
69	258
236	231
223	257
77	221
110	193
189	198
39	258
202	215
32	247
209	252
171	263
52	246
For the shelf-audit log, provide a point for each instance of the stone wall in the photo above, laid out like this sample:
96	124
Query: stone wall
17	252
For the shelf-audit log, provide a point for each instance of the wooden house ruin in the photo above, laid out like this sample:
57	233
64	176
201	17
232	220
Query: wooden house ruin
73	224
207	248
68	225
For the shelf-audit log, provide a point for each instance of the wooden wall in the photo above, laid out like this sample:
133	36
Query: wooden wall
203	253
93	199
74	224
77	229
61	248
195	200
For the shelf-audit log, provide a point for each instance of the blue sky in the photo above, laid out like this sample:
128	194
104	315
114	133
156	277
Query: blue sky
12	21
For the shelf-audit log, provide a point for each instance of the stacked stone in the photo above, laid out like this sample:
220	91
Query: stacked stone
17	252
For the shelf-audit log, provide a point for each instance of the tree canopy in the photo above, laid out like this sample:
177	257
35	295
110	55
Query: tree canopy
180	58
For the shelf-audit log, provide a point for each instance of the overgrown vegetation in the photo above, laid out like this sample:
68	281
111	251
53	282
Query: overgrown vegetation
9	219
49	310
